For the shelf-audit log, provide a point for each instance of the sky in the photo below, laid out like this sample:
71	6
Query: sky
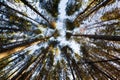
61	26
60	22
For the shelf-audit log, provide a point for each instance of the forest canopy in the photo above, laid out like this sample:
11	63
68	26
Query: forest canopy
59	39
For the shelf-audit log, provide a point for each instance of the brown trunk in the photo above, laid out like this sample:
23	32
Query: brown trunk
102	37
31	7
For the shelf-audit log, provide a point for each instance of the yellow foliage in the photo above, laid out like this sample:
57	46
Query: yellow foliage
57	51
17	1
37	31
53	25
76	23
114	14
111	1
11	18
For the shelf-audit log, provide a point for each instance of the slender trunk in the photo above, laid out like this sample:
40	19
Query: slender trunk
51	24
10	29
31	7
71	69
18	12
77	69
39	59
102	71
87	8
102	37
19	43
89	12
15	23
68	58
102	22
101	25
11	22
100	61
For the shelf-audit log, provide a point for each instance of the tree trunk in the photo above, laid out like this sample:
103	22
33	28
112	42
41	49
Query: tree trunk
31	7
19	12
88	12
102	37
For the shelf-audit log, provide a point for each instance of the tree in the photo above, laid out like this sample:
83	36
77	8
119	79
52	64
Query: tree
59	40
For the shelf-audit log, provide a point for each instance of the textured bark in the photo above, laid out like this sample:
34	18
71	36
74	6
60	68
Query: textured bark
102	37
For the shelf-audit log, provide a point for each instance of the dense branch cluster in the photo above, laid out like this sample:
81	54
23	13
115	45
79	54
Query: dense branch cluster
39	42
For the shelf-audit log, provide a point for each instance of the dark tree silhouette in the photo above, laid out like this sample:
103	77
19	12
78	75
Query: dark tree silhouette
59	40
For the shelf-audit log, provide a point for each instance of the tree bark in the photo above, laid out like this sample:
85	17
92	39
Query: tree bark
102	37
83	15
19	43
31	7
18	12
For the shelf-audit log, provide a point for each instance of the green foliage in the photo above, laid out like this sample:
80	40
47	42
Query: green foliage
81	45
50	6
73	6
110	15
23	23
69	25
